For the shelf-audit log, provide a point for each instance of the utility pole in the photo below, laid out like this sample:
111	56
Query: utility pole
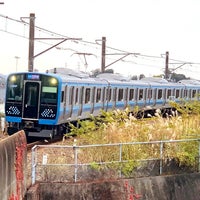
103	55
32	39
167	65
31	42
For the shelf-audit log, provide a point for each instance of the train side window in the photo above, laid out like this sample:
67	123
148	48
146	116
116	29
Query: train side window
159	93
98	95
87	95
177	93
71	95
120	94
141	94
169	93
131	94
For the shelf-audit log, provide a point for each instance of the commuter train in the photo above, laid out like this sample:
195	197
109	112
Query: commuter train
43	103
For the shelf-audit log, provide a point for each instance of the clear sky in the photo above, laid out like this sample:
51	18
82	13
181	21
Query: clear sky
147	27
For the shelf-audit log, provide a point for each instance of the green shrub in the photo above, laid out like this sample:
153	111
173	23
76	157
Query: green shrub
122	126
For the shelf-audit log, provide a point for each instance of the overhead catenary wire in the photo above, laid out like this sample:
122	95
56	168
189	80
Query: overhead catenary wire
96	45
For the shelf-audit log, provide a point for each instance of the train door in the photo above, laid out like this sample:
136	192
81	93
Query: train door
114	97
108	98
154	96
71	100
104	99
31	99
64	94
93	100
164	96
126	98
145	95
80	101
149	97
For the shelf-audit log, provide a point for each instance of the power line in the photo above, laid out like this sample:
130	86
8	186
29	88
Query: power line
87	43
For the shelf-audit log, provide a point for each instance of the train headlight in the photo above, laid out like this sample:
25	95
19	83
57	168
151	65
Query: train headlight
53	81
13	78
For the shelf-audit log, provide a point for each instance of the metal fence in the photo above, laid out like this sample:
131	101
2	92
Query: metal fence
107	161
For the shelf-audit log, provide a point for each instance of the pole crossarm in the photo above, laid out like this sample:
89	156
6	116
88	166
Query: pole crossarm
174	69
63	40
57	38
125	55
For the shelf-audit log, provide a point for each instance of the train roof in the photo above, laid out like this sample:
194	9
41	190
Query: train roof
71	75
154	80
113	77
75	76
66	72
190	82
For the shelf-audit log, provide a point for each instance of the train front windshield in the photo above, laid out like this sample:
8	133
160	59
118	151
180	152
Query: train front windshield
28	95
14	88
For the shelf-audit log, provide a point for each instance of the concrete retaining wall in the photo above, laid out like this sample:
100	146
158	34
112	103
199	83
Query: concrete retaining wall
178	187
13	153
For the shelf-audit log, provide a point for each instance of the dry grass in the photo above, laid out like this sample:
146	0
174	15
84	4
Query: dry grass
121	128
130	129
134	130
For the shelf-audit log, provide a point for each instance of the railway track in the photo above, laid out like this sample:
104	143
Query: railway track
42	142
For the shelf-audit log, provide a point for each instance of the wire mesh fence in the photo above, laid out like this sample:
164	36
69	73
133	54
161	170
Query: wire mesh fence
110	161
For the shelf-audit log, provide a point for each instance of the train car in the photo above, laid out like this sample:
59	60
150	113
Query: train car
32	103
42	104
